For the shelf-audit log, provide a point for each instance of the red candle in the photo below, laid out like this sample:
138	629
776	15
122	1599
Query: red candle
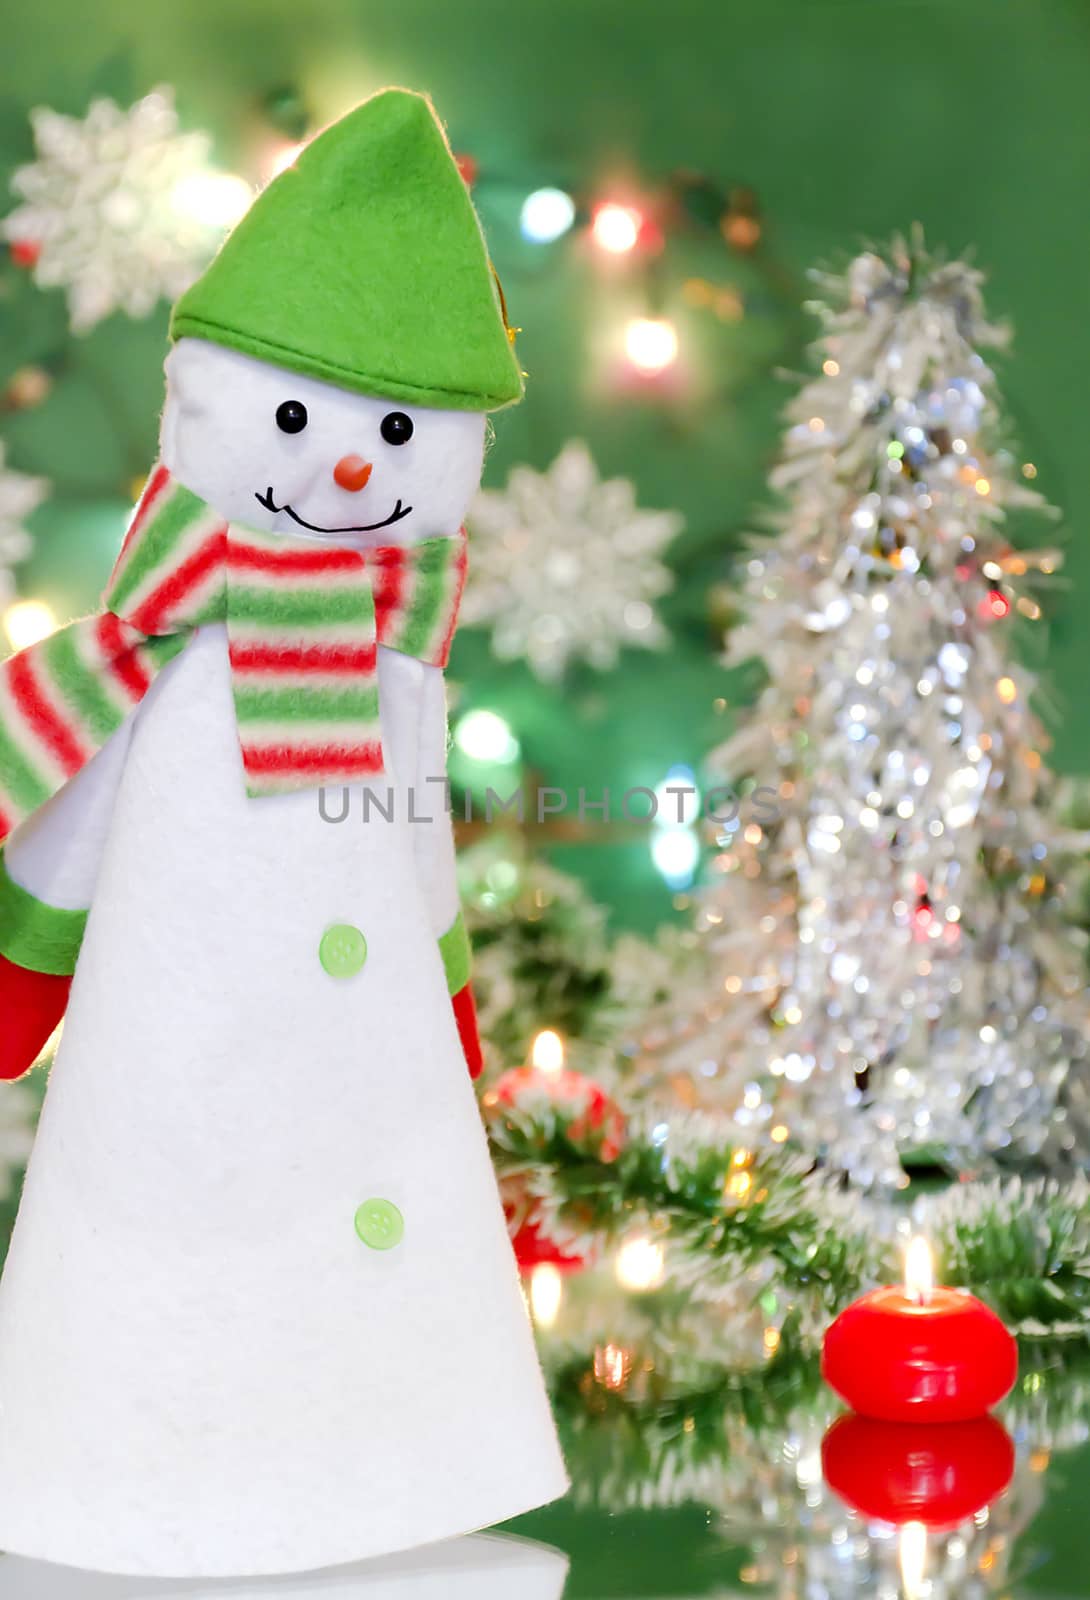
937	1474
919	1353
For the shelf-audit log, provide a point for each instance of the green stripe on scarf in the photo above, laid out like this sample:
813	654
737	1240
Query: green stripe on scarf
174	514
81	687
28	789
300	608
427	599
309	705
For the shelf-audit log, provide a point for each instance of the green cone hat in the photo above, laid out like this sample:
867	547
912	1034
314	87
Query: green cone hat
364	264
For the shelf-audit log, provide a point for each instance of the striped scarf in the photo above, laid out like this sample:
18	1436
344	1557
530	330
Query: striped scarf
303	625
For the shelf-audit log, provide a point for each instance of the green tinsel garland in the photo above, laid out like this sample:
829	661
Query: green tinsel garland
722	1211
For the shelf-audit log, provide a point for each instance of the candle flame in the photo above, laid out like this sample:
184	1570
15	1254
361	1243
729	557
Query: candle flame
912	1551
919	1270
547	1051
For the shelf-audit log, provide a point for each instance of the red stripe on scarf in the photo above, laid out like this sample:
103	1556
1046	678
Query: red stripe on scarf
152	613
153	492
250	557
7	825
461	568
388	582
246	557
37	711
119	654
303	658
335	760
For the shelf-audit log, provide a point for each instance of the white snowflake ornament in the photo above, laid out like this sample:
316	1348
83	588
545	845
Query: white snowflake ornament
120	208
565	566
20	494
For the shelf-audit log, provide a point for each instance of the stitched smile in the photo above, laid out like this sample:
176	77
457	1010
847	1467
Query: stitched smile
396	515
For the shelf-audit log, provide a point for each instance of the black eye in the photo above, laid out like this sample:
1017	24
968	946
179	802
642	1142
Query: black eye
291	417
397	428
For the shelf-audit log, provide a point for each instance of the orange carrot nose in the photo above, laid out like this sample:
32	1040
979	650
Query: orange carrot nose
352	472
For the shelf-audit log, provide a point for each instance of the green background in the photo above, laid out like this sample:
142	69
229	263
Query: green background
850	118
684	1553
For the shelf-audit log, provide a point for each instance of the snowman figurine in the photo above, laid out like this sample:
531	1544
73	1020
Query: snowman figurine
260	1312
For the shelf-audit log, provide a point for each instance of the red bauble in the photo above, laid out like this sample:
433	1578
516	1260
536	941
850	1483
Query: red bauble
25	252
469	167
535	1249
590	1120
994	607
594	1119
938	1474
945	1358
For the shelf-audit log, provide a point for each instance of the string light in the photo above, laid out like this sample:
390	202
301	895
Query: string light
546	1294
641	1264
214	199
678	798
1007	691
741	230
651	343
738	1185
26	388
676	852
282	158
612	1364
485	736
615	228
546	215
28	621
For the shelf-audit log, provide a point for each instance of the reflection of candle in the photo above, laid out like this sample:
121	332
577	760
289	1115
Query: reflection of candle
912	1558
917	1474
919	1352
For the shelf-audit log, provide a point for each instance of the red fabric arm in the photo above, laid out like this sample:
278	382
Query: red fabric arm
31	1005
465	1015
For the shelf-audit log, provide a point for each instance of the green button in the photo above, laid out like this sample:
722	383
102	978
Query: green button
343	950
380	1224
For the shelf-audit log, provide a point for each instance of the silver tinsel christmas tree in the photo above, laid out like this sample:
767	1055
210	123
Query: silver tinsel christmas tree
885	968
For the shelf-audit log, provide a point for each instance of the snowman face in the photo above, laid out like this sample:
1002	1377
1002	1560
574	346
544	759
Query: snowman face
294	455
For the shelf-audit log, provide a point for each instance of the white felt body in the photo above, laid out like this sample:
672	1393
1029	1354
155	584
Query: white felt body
484	1567
203	1370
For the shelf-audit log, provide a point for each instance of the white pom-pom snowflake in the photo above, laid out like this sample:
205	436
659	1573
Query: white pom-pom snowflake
19	495
119	208
565	566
